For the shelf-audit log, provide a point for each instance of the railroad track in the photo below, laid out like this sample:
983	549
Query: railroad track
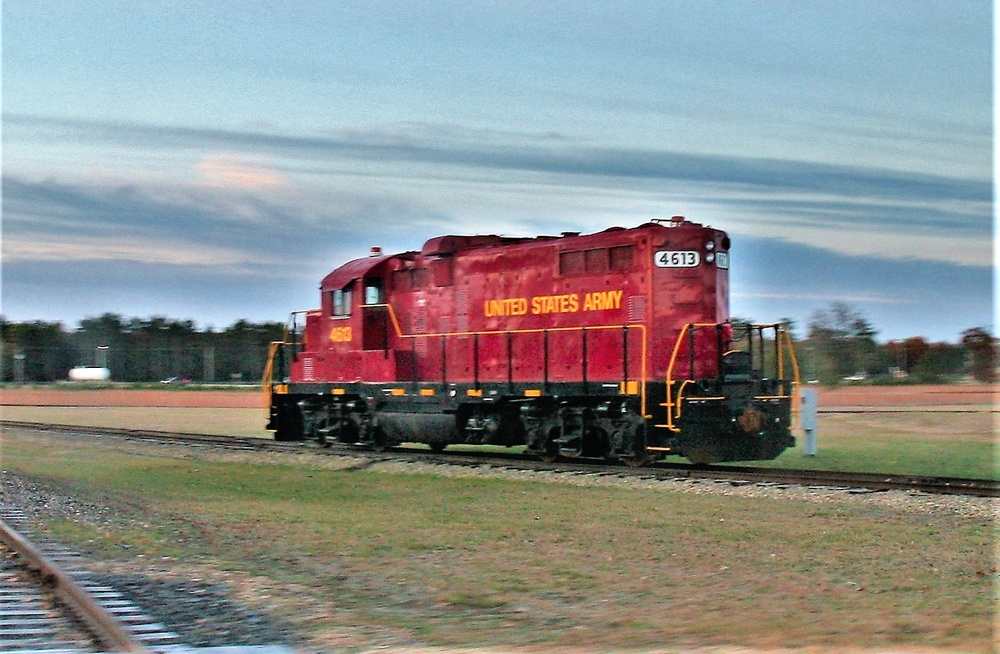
47	605
847	481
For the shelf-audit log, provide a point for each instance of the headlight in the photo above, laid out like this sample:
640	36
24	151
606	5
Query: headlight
710	245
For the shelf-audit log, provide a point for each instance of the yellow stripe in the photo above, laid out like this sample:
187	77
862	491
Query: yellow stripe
636	387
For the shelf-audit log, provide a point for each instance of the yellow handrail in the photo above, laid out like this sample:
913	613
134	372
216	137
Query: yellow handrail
796	380
267	379
540	330
783	339
669	376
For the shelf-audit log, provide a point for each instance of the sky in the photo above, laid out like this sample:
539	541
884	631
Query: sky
213	161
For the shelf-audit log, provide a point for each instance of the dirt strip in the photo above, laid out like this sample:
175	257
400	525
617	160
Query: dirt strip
66	395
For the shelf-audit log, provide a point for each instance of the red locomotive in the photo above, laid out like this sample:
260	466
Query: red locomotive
616	344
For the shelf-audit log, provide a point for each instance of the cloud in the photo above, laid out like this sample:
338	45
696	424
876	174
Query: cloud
47	223
447	176
232	172
139	250
863	298
903	297
231	253
541	153
230	231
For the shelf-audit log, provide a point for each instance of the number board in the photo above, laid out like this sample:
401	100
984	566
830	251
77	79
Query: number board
677	259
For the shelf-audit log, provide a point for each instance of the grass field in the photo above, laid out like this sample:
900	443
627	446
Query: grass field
912	442
373	557
362	559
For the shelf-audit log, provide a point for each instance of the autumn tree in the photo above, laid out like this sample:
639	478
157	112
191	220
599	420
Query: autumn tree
982	349
841	342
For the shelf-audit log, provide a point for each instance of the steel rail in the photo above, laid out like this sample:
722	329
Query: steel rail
864	480
111	633
671	470
189	438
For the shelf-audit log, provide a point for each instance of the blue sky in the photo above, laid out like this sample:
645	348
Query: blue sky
214	160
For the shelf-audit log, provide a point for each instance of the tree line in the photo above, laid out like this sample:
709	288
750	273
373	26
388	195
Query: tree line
136	349
839	345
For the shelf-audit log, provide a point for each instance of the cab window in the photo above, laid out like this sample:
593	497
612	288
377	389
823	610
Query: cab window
340	302
373	292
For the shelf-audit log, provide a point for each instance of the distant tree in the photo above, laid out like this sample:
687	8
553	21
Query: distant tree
938	361
841	342
35	351
906	354
161	347
107	328
135	349
243	348
104	334
982	349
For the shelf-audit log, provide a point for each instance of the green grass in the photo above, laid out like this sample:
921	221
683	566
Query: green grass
959	459
917	443
459	561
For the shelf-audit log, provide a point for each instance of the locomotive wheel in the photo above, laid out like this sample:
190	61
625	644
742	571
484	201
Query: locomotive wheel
551	452
379	441
640	456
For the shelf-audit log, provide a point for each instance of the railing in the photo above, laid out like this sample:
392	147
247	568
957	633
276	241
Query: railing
629	384
289	338
782	343
676	384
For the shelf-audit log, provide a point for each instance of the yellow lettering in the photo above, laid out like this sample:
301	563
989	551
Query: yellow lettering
543	304
603	300
514	306
540	305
